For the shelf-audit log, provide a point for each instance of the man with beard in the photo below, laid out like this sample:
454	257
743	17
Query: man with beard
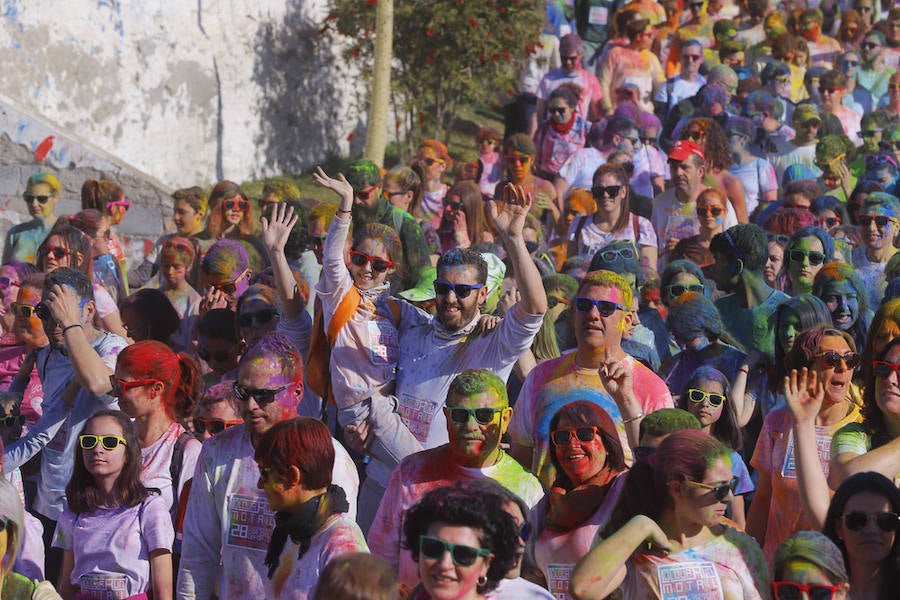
435	349
873	74
477	414
370	206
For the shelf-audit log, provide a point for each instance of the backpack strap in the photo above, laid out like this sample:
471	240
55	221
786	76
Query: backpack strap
175	468
343	313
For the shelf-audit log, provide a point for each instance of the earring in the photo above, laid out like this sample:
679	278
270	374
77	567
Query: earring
482	580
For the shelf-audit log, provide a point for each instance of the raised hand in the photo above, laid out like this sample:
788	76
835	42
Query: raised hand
277	228
618	379
64	305
510	218
340	186
804	394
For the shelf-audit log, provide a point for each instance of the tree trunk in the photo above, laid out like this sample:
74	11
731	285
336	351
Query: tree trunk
376	133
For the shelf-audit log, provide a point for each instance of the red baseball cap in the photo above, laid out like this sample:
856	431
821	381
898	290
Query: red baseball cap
681	149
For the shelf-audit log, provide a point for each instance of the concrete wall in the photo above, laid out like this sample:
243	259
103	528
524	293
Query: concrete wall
187	91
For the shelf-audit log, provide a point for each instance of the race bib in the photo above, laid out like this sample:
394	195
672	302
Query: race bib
104	586
558	576
689	581
823	449
598	15
384	343
679	228
417	414
250	522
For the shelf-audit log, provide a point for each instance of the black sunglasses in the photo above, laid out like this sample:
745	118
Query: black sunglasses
29	198
799	256
557	110
260	317
604	307
43	312
881	221
561	437
697	396
236	204
720	491
262	396
705	212
608	191
454	205
379	265
483	416
676	289
462	290
886	521
463	556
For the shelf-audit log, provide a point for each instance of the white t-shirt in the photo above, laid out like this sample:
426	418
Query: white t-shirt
157	463
112	546
758	177
578	170
680	89
591	238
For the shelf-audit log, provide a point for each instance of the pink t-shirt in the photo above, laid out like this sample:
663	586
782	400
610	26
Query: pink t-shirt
774	455
112	546
559	381
730	566
422	472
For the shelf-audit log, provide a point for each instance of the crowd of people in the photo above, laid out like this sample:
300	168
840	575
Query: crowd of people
644	343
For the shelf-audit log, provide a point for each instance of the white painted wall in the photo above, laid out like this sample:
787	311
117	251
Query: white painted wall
187	91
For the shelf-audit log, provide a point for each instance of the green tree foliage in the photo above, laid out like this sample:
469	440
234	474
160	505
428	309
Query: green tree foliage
446	52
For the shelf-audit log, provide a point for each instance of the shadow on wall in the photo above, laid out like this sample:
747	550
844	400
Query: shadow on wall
298	73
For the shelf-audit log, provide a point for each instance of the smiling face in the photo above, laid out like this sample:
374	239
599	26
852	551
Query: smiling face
101	462
454	312
232	209
49	261
580	461
474	444
870	545
610	205
704	411
842	301
265	373
697	504
595	331
560	111
887	389
835	379
876	237
442	578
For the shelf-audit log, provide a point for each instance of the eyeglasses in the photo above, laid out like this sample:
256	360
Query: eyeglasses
121	387
122	203
214	426
611	255
608	191
557	110
869	45
830	90
517	160
379	265
881	221
482	416
720	491
22	310
462	290
604	307
676	289
109	442
177	246
829	222
800	256
882	368
317	241
788	590
428	162
463	556
29	198
571	58
230	287
366	194
561	437
232	204
886	521
58	252
832	359
691	57
699	396
454	205
259	317
6	282
705	212
262	396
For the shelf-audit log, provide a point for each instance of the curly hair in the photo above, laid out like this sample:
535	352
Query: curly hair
479	510
716	150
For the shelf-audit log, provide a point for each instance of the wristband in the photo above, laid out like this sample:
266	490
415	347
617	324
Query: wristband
634	418
344	211
65	329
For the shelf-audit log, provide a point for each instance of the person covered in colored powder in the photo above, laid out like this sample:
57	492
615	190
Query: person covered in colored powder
22	240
